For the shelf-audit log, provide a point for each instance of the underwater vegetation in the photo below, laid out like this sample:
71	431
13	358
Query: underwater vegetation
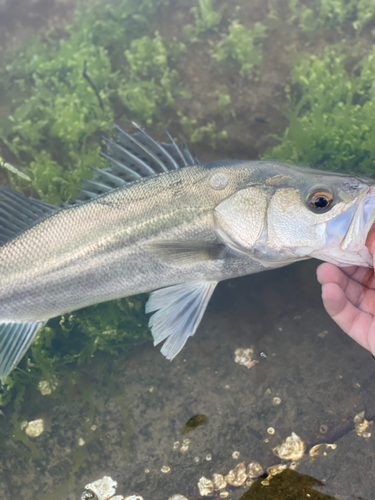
73	339
331	14
57	119
331	110
242	46
207	17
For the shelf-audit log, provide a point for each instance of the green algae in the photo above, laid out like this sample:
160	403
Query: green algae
150	85
17	434
330	112
72	340
207	18
319	15
242	47
57	122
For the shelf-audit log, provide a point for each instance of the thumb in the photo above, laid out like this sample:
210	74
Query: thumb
370	241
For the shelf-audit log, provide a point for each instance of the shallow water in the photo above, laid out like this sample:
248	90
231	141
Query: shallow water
140	406
129	417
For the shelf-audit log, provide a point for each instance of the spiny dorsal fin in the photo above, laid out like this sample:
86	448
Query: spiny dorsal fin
132	157
18	213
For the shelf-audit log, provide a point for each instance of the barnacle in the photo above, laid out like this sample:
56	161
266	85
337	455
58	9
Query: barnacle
293	448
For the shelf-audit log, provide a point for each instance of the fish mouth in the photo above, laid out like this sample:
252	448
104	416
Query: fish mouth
347	234
362	222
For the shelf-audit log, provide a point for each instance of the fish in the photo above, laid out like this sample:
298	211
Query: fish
158	220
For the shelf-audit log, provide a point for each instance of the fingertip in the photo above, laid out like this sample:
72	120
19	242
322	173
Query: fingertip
334	299
370	241
326	272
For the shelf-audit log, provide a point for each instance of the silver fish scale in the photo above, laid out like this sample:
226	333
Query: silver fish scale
94	251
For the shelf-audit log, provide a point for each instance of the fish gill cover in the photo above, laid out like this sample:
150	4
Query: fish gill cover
130	60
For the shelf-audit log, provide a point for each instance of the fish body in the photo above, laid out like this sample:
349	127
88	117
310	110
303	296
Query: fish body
165	222
103	249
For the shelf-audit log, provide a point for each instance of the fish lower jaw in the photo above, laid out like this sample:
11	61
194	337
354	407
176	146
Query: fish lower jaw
342	258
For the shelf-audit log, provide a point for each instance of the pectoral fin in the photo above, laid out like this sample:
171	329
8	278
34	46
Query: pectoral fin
179	311
186	252
15	339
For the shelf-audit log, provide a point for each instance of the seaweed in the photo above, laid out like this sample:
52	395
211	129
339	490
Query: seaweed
66	91
208	132
330	112
150	84
207	18
242	46
319	15
73	340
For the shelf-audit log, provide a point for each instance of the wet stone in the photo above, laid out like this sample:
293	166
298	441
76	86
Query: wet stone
193	423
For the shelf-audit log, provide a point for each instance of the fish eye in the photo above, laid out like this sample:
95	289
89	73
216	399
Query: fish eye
319	200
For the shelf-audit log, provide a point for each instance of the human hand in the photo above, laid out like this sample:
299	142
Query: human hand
349	298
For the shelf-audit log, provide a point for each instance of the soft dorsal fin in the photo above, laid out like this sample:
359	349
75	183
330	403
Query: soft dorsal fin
132	157
18	213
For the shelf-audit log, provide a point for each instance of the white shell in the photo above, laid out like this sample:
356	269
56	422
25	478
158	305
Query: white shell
254	469
206	487
34	428
219	482
293	448
104	488
237	476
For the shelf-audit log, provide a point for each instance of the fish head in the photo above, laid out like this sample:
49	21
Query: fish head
286	213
